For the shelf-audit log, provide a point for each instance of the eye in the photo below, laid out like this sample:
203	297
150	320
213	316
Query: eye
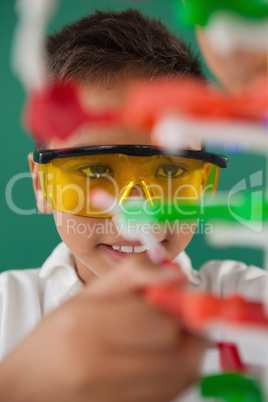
97	171
173	171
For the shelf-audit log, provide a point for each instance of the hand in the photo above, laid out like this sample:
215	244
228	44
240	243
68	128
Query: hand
237	71
105	344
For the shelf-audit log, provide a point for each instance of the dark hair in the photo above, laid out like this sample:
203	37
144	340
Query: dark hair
108	44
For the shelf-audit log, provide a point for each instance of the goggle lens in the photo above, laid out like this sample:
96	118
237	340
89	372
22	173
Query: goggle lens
67	182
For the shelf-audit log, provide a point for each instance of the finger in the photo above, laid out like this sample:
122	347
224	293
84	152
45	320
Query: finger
193	347
133	276
140	328
155	377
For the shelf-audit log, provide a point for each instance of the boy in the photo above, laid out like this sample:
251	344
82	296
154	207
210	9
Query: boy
105	344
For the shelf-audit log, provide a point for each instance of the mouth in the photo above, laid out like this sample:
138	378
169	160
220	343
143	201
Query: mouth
130	249
123	250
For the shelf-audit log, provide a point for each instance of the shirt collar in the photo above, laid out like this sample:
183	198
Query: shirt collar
60	257
60	277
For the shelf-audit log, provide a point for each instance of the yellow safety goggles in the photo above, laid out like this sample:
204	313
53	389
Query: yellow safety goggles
69	175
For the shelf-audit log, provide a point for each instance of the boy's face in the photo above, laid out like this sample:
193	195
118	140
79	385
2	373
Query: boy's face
90	239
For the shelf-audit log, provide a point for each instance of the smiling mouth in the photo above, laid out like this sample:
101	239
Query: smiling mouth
129	249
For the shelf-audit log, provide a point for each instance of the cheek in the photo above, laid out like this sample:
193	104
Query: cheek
76	232
82	236
179	236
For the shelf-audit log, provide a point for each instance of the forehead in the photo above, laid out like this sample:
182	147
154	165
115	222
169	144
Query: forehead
96	98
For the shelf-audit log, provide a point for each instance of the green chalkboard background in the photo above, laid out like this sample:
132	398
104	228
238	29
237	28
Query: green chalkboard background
27	239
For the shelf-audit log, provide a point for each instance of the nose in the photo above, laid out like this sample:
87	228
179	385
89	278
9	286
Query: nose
137	187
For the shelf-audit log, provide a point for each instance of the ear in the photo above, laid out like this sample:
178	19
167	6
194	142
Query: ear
41	202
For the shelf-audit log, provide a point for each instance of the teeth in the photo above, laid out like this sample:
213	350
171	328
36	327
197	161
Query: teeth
116	247
139	249
130	249
126	249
